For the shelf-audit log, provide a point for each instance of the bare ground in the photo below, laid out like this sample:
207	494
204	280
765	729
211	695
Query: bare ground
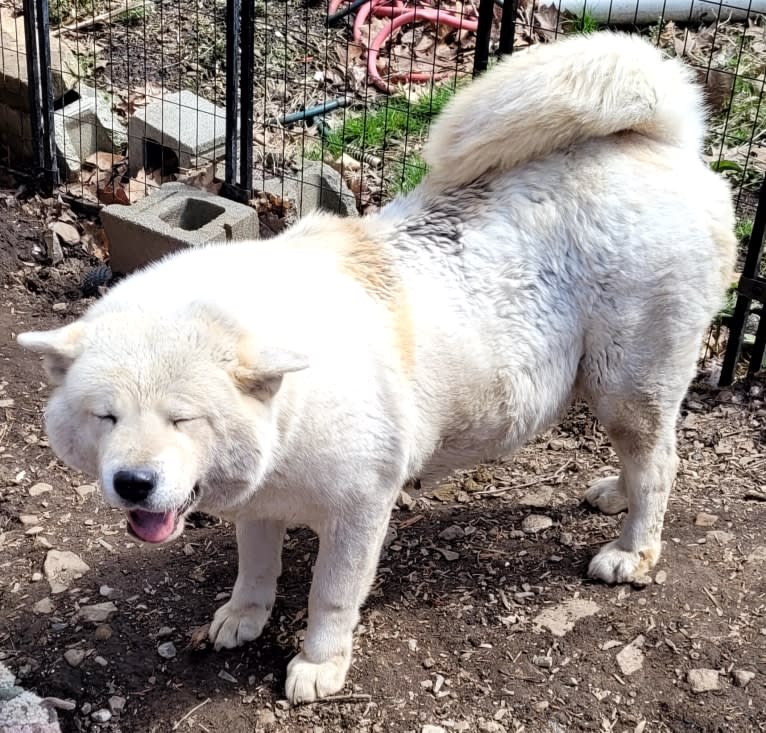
451	635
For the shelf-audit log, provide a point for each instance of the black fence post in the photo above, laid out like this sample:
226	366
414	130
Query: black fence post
750	287
483	32
246	97
40	85
240	73
232	98
507	28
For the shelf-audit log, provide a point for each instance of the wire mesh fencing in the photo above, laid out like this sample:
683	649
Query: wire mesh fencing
292	104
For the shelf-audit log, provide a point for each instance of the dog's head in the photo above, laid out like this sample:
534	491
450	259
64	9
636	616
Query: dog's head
170	412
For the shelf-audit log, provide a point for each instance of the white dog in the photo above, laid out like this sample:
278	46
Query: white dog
568	240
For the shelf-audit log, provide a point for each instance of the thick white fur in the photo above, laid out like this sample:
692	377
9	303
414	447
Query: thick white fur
547	97
320	370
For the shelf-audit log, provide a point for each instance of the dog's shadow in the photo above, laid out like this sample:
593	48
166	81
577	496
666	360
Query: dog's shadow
168	594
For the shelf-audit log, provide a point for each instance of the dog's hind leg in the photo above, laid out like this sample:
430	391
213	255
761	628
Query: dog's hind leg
243	616
642	431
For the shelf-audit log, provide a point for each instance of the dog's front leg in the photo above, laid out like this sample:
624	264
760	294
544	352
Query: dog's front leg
243	616
345	568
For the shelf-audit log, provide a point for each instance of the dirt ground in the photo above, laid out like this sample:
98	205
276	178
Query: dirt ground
457	634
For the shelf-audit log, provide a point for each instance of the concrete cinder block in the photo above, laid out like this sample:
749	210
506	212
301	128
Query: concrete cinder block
319	186
316	186
84	127
188	125
175	217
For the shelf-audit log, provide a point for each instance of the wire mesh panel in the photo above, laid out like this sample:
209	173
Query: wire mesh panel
293	104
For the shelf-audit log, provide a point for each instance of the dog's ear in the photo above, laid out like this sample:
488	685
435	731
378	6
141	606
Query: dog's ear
260	375
59	347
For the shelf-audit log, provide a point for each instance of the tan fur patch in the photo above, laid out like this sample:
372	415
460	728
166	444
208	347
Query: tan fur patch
367	259
370	263
649	557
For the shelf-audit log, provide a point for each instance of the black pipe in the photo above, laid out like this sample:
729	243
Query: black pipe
310	113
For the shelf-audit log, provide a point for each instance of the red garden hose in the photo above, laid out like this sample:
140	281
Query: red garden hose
400	15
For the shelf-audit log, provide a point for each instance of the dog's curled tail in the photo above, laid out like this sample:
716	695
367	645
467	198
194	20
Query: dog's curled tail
553	95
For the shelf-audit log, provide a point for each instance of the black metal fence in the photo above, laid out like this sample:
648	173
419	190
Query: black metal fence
292	103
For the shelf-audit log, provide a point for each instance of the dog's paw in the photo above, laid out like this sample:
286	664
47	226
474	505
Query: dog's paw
607	496
614	565
234	624
307	681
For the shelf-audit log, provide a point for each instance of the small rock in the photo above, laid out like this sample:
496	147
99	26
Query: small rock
224	675
67	232
660	577
703	519
428	662
561	618
107	592
611	644
630	658
85	490
454	532
703	680
28	519
36	577
103	632
96	613
59	307
61	568
536	523
544	662
167	650
742	678
758	554
44	605
7	402
117	704
405	501
541	706
86	708
38	489
432	729
74	657
266	717
719	536
100	661
164	631
449	555
539	498
101	716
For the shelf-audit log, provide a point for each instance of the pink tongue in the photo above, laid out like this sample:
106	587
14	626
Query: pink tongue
152	526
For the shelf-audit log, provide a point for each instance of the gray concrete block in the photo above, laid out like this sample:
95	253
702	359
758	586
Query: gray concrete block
84	127
316	186
188	125
175	217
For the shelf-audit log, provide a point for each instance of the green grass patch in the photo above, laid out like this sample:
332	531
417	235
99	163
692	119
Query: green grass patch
584	23
394	131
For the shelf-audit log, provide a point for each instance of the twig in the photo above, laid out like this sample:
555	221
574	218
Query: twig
343	698
712	598
94	20
540	480
191	712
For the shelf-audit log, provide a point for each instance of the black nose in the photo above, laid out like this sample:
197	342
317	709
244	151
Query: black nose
135	484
